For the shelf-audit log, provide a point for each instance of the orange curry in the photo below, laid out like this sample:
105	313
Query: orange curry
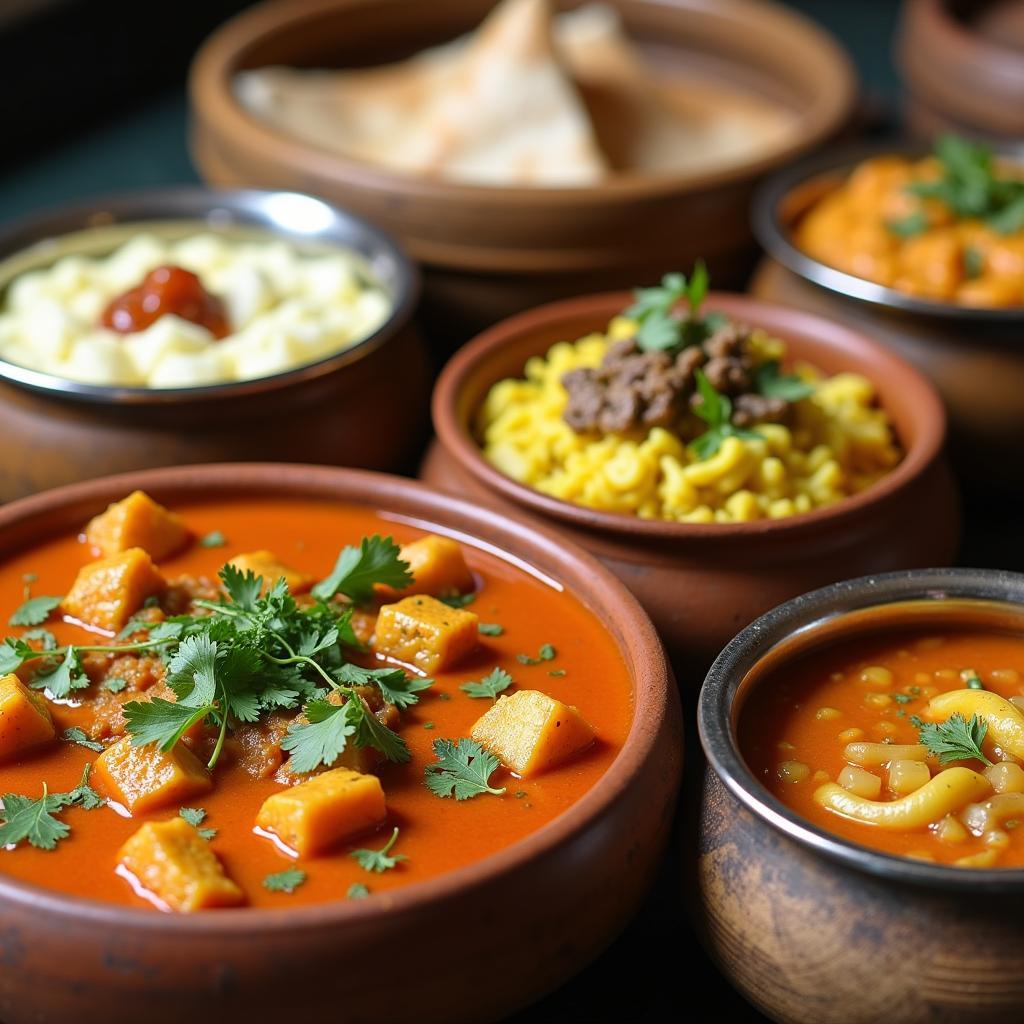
911	743
300	727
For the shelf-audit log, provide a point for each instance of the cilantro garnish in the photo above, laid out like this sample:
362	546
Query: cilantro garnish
378	860
47	641
376	560
956	739
76	735
907	227
971	679
547	652
59	679
771	383
716	411
25	818
214	539
462	770
195	816
660	328
357	891
395	686
115	684
285	881
490	686
490	629
457	600
35	611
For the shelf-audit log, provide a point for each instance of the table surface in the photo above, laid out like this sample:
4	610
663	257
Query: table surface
636	979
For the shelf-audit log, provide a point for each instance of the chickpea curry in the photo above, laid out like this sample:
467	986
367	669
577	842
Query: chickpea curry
911	743
222	710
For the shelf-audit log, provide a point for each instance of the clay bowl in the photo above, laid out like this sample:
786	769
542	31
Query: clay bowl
700	583
811	927
489	252
57	431
530	907
973	355
963	66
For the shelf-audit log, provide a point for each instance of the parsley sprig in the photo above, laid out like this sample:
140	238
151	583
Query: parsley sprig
462	770
378	860
660	328
27	818
956	739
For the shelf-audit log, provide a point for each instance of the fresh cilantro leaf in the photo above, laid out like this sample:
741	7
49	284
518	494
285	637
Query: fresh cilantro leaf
323	739
371	732
115	684
395	686
84	795
462	770
76	735
956	739
902	698
192	671
907	227
47	641
357	891
659	327
378	860
62	679
916	721
715	409
13	654
243	588
32	820
35	611
547	653
161	722
771	383
214	539
376	560
285	881
490	686
195	816
428	725
491	629
1010	219
458	600
557	672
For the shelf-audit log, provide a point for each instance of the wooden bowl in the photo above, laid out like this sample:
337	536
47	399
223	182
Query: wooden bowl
489	252
57	431
529	908
963	66
972	355
812	927
700	583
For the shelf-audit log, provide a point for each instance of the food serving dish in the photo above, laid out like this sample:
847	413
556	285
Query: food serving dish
61	430
969	352
75	954
804	920
503	249
701	582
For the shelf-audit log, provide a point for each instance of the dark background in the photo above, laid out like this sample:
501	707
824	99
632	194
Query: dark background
94	95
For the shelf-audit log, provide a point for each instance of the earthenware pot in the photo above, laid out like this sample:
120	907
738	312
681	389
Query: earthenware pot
57	431
489	252
963	66
811	927
530	908
701	583
973	355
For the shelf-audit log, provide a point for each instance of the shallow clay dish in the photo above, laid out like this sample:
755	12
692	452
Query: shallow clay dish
812	927
973	355
489	252
57	431
530	908
701	583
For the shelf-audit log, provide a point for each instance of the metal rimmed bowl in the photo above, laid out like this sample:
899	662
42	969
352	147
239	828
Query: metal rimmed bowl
58	430
812	926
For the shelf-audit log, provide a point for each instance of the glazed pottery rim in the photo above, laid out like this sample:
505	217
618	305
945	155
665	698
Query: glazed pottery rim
457	440
216	60
654	696
246	207
801	616
774	236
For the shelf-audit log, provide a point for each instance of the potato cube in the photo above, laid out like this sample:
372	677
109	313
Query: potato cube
170	862
271	568
425	632
25	720
313	816
437	565
137	522
531	732
144	779
107	593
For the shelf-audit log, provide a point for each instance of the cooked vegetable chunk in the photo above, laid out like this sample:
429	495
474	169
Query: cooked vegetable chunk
437	565
145	779
313	816
107	593
425	632
25	720
170	860
137	522
266	564
532	733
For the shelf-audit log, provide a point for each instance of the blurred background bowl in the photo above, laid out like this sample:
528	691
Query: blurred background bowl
57	431
488	252
701	583
974	356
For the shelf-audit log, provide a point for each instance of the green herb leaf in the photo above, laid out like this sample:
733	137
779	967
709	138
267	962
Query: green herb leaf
84	795
161	722
659	327
214	539
490	686
462	770
285	881
378	860
971	679
907	227
195	816
974	262
35	611
490	629
115	684
376	560
76	735
25	818
323	740
62	679
47	641
547	653
13	654
772	383
715	409
357	891
395	686
955	739
458	600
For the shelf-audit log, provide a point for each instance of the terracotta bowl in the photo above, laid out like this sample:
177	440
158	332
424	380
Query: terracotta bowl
811	927
972	355
700	583
489	252
530	908
57	431
963	66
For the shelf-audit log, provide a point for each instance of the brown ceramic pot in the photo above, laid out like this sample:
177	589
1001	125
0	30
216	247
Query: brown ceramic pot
56	431
541	909
811	927
489	252
963	65
701	583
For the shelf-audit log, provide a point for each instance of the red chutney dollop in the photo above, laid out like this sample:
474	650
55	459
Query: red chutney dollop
166	289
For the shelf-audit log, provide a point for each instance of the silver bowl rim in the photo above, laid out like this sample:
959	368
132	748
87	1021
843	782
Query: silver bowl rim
803	615
774	238
245	207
